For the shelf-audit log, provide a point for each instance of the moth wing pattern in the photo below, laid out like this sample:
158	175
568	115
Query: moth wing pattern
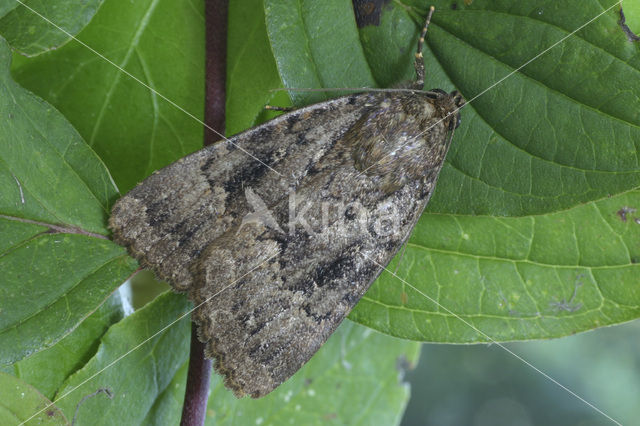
267	299
174	214
292	290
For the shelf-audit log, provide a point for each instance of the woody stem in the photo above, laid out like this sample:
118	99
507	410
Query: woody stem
199	374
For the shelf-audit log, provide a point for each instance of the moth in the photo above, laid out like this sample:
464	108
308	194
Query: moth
274	262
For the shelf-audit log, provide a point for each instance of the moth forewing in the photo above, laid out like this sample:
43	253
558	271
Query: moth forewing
274	262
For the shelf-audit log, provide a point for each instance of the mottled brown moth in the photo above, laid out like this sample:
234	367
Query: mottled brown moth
274	262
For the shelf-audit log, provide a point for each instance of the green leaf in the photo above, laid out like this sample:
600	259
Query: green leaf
135	131
532	144
70	353
561	131
309	39
523	238
19	401
31	34
390	48
167	409
50	284
355	378
6	6
137	379
632	16
555	145
248	50
56	266
512	278
49	173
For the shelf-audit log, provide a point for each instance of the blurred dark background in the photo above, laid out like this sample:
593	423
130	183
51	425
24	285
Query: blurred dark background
482	385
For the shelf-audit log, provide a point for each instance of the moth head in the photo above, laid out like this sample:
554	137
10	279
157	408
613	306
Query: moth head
459	102
404	137
450	105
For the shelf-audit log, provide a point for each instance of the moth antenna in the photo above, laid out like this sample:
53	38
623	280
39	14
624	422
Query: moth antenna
419	63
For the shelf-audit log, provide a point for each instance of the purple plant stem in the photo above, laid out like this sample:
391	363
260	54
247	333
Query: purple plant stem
216	11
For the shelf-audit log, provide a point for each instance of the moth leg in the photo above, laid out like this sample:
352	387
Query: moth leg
419	62
278	108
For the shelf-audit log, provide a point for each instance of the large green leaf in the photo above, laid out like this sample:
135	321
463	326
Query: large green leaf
512	278
135	131
560	132
535	143
138	378
316	45
19	401
6	6
355	378
51	282
632	16
248	46
523	238
70	353
556	144
57	266
40	25
47	171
